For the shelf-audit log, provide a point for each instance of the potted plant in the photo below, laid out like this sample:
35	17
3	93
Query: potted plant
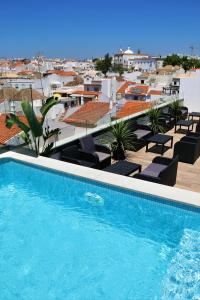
175	109
154	115
122	139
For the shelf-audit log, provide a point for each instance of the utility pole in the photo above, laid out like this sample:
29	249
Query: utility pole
38	57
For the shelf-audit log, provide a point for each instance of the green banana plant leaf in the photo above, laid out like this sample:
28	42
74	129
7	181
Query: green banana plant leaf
25	137
13	119
47	150
53	132
50	102
35	125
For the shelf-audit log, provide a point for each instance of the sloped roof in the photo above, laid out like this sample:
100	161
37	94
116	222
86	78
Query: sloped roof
28	95
154	92
8	93
139	89
86	93
26	72
62	73
124	87
77	81
132	107
6	133
90	113
17	64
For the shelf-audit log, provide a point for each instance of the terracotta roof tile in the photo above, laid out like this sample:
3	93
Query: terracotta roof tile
85	93
28	95
5	133
125	86
62	73
139	89
154	92
17	64
132	107
89	113
25	72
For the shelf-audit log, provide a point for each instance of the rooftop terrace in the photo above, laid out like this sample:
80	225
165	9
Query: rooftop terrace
187	176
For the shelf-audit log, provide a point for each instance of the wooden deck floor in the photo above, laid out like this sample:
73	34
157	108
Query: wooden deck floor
188	176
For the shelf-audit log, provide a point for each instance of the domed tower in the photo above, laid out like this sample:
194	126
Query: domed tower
128	51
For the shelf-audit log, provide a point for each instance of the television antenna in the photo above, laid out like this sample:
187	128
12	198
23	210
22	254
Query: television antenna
193	48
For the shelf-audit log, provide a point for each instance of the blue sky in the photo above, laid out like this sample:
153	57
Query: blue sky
80	29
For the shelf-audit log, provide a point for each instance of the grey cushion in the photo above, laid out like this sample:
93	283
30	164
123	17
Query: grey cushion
56	155
153	170
140	133
102	156
87	144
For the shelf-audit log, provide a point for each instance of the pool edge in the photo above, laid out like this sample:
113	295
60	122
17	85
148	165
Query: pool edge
131	184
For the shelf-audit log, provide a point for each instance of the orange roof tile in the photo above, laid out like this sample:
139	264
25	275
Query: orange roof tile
139	89
154	92
132	107
124	87
25	72
17	64
6	133
62	73
85	93
90	113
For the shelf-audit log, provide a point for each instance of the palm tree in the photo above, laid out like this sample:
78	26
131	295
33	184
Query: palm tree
34	131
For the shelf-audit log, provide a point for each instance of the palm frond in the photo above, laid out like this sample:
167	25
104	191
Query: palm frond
154	115
123	135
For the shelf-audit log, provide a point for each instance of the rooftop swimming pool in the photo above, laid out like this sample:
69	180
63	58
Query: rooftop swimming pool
67	238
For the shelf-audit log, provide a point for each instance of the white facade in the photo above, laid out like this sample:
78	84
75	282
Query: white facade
190	91
19	83
4	67
108	89
130	60
50	83
143	64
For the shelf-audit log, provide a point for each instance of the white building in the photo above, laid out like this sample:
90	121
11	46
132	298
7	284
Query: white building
18	82
190	89
140	62
53	80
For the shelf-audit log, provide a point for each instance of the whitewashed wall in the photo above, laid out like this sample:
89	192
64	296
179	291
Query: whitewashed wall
190	91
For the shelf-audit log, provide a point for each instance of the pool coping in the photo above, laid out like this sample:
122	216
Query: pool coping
128	183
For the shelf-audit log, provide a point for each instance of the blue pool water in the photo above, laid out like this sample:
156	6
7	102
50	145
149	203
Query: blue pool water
65	238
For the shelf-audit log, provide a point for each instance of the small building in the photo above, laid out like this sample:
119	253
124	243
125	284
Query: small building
74	98
92	85
136	61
